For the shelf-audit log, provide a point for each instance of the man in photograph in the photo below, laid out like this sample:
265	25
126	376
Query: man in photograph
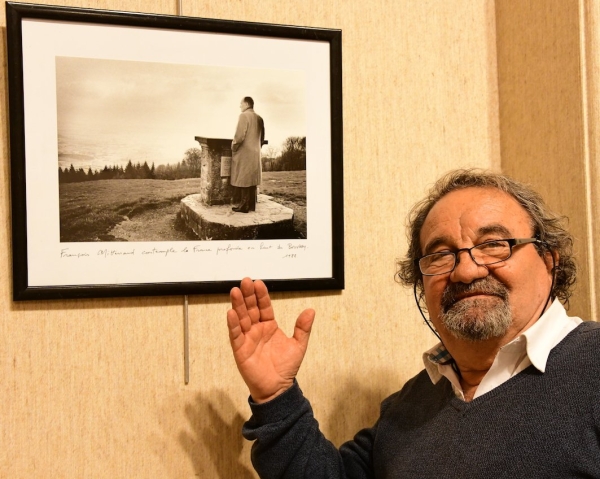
245	163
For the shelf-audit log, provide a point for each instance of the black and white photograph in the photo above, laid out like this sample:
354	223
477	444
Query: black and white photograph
166	155
135	145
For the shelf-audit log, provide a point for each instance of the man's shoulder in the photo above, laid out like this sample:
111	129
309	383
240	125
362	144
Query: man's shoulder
590	325
585	331
249	113
587	334
579	347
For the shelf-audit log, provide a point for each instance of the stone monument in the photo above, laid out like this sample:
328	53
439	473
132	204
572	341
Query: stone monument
208	213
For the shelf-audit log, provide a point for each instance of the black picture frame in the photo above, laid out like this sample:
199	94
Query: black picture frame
41	268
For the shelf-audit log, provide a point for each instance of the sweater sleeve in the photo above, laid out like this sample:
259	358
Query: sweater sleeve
289	444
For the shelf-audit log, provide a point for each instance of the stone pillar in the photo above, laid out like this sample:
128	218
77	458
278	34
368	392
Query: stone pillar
215	171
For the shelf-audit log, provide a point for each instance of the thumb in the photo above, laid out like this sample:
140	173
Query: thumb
303	326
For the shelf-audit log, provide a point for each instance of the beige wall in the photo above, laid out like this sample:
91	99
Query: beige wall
541	104
94	388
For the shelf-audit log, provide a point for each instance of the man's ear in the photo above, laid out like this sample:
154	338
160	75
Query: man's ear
551	258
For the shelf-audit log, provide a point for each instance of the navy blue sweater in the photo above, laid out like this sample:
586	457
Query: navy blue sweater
533	426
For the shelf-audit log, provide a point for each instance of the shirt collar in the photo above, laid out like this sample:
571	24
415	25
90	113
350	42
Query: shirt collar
547	332
540	338
435	359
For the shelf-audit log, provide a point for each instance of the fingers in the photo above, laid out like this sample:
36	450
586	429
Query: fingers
250	301
254	301
264	301
251	304
238	306
303	327
236	337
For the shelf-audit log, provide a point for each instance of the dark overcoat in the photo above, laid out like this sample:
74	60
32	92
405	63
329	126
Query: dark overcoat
245	147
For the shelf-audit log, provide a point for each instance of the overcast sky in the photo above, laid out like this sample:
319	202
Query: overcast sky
164	106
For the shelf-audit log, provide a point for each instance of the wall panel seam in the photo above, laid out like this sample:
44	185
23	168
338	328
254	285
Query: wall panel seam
587	151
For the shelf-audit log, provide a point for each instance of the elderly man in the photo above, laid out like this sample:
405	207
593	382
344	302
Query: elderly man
513	388
245	163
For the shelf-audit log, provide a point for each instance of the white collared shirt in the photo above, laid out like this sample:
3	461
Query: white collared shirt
531	347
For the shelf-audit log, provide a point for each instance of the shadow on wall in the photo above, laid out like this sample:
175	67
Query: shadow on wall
357	405
216	430
213	437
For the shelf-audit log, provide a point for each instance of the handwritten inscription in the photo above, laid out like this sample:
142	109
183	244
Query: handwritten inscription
112	252
161	252
290	250
228	249
64	253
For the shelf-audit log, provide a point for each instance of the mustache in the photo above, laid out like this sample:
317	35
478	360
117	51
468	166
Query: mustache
488	285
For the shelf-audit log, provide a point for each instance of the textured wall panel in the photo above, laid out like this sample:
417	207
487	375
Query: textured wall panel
541	114
95	388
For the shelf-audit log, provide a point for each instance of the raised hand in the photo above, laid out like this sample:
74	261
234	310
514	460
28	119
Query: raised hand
267	359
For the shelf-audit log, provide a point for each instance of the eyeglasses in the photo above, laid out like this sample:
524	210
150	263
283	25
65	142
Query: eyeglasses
486	253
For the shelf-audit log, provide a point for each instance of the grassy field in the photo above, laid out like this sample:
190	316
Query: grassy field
89	211
289	189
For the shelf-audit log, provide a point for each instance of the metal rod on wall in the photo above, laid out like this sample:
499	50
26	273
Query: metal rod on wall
186	324
186	342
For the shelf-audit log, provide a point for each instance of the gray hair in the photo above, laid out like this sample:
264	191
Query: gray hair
547	227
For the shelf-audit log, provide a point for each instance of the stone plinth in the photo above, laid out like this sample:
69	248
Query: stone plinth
215	171
270	220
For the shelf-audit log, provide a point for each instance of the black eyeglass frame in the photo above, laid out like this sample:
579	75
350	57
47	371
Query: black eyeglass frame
512	242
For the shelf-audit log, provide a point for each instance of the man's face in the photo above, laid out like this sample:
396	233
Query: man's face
243	106
496	301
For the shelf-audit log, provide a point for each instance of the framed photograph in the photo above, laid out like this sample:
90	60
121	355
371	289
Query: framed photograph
163	155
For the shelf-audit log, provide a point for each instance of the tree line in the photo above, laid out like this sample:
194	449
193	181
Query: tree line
292	158
189	167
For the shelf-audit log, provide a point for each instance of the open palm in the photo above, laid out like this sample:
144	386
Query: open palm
267	359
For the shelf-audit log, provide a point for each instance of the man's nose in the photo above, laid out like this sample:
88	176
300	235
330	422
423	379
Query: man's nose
466	270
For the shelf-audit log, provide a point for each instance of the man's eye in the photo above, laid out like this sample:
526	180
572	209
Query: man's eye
493	248
492	244
441	251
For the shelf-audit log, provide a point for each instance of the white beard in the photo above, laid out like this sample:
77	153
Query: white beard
478	319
